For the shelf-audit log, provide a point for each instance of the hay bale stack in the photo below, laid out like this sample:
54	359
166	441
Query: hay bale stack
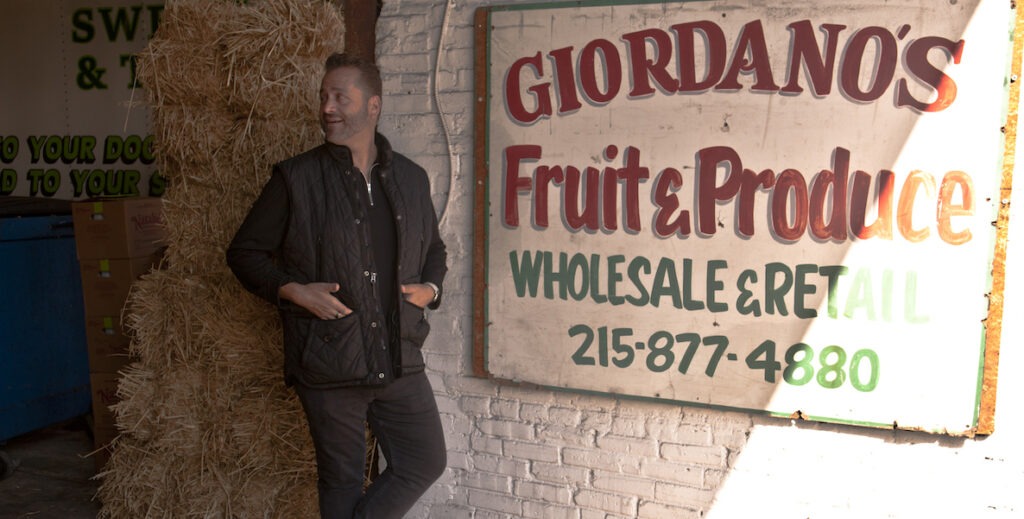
208	428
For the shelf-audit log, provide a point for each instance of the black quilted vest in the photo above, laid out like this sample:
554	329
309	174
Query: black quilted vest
328	240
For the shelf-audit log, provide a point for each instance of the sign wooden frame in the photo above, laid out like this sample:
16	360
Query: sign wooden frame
483	295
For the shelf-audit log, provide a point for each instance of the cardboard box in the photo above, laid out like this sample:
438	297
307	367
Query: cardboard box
106	282
118	227
107	343
104	395
102	438
104	428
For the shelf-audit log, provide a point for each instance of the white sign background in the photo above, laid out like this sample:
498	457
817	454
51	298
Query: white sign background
67	85
905	330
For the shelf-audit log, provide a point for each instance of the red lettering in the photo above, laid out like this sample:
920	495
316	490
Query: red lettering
514	155
704	61
905	209
853	58
644	68
612	75
714	43
568	101
542	178
513	94
609	191
632	174
860	201
917	63
947	209
665	187
787	181
708	190
834	183
751	43
817	64
588	217
751	182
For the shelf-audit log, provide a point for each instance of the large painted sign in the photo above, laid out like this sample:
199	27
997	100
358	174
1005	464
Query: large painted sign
780	209
73	121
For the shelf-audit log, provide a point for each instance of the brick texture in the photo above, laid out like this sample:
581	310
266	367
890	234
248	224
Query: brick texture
529	452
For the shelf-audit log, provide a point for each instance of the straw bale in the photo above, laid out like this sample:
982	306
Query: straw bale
194	483
209	200
207	426
200	321
183	63
227	154
265	141
231	444
200	222
268	61
211	359
191	132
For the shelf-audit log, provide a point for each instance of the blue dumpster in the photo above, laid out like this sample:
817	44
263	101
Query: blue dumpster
44	365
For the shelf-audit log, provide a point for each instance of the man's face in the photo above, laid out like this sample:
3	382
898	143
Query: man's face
347	111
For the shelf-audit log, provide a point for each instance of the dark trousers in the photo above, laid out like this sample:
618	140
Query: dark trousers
404	418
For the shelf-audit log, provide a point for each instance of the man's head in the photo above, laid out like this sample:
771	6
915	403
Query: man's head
350	100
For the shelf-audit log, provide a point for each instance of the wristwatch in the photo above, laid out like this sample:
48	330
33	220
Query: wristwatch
437	291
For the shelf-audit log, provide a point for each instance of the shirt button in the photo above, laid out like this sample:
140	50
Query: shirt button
380	375
366	273
357	221
373	324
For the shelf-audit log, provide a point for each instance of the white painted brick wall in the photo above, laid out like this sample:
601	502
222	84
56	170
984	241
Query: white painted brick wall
522	452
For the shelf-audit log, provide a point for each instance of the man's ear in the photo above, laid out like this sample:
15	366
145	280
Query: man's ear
374	106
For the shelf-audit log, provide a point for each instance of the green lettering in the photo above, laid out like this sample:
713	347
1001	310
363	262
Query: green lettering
665	284
775	294
157	184
614	278
887	295
577	263
637	265
113	147
120	22
8	181
82	22
714	285
595	284
832	273
801	289
745	303
78	177
861	295
8	149
689	302
551	277
910	301
131	182
525	273
35	146
154	17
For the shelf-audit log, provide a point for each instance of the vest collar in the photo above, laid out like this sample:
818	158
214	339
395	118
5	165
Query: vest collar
343	154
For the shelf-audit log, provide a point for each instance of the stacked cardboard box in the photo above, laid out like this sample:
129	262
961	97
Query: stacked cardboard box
117	240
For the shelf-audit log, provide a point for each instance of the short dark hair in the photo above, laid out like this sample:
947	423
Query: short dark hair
368	69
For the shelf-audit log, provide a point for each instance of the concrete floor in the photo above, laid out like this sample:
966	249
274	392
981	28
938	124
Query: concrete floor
52	478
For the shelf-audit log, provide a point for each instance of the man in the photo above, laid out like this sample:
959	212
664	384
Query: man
344	241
